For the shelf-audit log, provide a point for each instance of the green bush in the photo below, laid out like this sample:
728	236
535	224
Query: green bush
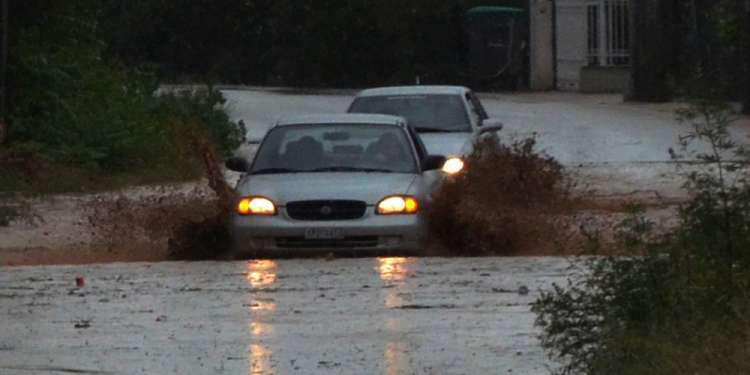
139	138
106	119
682	304
78	120
206	108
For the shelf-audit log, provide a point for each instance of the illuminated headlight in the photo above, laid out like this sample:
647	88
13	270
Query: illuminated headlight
256	206
397	205
453	166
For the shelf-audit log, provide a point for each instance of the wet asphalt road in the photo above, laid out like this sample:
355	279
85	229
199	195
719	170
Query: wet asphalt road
345	316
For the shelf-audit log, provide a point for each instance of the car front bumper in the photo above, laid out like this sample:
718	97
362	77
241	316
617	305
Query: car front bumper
372	233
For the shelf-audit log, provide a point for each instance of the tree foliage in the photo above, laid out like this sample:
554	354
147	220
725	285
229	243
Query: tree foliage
333	43
676	40
679	303
70	105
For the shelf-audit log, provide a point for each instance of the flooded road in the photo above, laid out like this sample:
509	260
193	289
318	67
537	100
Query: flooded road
613	150
348	316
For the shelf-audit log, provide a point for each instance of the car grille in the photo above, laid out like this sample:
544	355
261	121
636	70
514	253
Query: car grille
326	210
346	242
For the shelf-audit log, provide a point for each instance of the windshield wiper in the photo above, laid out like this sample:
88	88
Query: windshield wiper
422	129
351	169
276	170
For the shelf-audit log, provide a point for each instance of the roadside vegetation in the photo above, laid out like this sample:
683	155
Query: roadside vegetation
671	303
358	43
675	301
79	121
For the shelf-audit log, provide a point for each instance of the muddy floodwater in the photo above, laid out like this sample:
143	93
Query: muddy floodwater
307	316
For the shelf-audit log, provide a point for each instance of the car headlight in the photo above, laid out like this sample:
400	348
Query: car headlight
397	205
256	206
453	166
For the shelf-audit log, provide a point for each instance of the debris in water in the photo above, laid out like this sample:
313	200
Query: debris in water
523	290
421	307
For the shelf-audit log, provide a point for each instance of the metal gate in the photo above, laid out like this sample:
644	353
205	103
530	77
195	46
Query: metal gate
608	35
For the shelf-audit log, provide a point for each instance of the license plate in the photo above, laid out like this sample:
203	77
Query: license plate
323	233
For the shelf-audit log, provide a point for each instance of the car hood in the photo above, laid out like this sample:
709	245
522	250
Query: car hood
448	144
288	187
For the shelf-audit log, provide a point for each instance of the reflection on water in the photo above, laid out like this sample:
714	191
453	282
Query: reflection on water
392	299
396	358
395	268
260	360
260	354
263	305
394	325
261	273
260	330
396	354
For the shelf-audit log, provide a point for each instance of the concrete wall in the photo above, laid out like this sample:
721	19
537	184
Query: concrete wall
542	57
595	79
558	50
571	43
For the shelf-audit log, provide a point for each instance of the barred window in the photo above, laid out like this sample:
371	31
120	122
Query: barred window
608	32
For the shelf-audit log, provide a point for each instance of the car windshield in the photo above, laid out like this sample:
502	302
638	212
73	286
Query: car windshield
335	148
434	112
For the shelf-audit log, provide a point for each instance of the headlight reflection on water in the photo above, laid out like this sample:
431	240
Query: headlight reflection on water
261	273
394	268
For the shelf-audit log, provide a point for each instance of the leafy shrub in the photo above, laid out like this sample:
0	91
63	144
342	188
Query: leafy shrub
76	117
109	120
682	306
501	203
203	108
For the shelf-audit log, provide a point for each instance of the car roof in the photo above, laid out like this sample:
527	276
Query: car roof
348	118
414	90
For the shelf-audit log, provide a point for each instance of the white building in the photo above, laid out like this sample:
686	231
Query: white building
590	40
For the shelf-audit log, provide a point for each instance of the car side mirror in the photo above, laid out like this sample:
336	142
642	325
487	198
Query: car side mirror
237	164
433	162
490	125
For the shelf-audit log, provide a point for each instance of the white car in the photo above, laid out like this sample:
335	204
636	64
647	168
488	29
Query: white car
449	119
334	182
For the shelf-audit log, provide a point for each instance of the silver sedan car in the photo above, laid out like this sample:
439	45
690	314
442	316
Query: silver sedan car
449	119
334	182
